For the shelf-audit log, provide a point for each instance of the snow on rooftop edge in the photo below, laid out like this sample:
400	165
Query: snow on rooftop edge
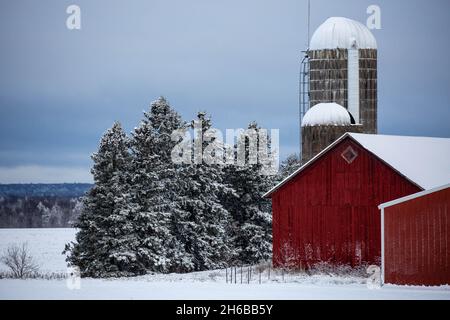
340	32
326	114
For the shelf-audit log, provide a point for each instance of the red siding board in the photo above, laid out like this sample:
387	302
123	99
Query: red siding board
334	210
417	240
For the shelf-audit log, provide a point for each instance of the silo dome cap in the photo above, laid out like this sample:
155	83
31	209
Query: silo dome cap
343	33
329	114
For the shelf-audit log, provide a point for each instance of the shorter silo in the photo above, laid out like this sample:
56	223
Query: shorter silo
322	125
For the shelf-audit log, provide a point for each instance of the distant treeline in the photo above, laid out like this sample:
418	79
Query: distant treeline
40	205
73	190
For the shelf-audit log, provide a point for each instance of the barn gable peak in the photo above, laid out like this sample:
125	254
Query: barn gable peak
422	160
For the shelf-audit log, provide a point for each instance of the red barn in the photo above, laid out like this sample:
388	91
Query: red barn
415	233
327	210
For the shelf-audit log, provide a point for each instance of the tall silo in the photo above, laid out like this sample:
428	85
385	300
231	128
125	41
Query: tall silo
340	66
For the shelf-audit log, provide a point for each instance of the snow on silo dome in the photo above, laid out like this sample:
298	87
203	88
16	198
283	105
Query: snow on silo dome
338	32
330	114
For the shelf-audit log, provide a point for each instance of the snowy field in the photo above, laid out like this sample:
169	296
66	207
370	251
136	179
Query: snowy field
46	246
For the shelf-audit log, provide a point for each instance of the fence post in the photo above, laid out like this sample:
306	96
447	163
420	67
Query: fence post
241	273
259	276
231	275
235	275
226	275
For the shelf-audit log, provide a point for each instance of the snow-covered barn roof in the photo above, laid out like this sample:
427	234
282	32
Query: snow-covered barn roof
331	114
425	161
413	196
339	32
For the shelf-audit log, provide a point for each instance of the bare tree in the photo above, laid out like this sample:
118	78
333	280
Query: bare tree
19	261
289	257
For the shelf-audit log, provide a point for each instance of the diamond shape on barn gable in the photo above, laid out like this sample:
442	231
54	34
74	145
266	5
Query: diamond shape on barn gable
349	154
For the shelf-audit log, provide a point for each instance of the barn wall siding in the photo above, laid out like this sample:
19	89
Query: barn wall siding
329	213
417	240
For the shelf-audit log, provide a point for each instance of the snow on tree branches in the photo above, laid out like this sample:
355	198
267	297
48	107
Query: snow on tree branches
147	213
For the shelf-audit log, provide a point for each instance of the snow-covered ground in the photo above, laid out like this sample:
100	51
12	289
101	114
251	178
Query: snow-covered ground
46	246
141	289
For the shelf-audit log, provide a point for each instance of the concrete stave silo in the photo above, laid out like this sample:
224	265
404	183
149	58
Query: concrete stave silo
322	125
342	68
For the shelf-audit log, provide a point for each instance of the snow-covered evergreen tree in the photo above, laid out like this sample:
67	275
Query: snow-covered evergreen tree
149	213
288	166
106	243
251	228
201	220
154	187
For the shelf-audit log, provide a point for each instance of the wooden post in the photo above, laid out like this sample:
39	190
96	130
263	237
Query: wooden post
231	274
241	273
235	274
260	276
226	275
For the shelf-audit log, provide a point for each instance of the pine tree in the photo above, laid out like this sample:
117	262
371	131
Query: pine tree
201	220
250	230
154	186
288	166
105	243
147	213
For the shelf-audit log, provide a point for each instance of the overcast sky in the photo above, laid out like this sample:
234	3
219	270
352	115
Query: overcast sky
239	60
